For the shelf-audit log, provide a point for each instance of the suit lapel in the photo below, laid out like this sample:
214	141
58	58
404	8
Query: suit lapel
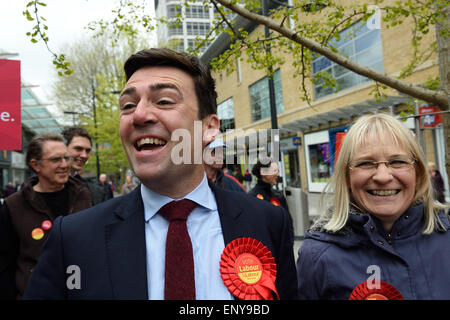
126	251
229	212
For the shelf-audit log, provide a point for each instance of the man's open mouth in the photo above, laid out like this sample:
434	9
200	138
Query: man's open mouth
149	143
383	192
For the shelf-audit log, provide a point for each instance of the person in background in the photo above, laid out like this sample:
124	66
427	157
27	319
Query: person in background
27	216
107	187
214	168
128	186
267	173
79	146
238	175
248	180
382	236
165	239
9	189
437	182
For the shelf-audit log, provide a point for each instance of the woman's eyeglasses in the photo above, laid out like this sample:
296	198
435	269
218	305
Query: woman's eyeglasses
393	164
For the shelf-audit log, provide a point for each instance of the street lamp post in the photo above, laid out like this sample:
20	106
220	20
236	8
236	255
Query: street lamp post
95	128
273	107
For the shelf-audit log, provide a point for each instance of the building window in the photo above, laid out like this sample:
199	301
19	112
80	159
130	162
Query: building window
197	12
318	160
175	30
191	44
259	97
197	28
173	11
225	112
359	44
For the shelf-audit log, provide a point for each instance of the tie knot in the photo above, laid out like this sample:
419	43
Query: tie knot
177	210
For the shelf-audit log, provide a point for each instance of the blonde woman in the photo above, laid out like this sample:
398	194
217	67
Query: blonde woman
382	236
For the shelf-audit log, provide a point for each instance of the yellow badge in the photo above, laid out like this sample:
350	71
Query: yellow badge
37	234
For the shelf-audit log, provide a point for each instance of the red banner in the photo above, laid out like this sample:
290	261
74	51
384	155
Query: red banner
10	113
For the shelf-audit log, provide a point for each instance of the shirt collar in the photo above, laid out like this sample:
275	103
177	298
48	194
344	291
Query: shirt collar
153	201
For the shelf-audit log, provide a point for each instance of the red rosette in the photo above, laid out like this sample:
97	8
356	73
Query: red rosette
275	201
386	291
248	270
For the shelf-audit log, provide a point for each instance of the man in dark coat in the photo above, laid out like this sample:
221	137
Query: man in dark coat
214	168
27	216
117	250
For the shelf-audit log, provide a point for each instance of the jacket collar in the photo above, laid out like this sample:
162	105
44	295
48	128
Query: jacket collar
362	226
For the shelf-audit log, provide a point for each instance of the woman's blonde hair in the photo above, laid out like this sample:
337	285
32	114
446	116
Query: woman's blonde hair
383	127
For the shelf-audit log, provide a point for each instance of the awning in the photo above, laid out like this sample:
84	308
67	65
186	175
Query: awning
35	114
344	113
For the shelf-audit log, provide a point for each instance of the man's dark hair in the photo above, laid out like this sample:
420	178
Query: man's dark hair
70	132
203	81
265	162
36	145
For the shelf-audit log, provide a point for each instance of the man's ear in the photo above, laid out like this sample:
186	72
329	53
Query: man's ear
211	125
34	165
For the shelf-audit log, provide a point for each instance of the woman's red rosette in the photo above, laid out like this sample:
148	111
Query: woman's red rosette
385	291
248	270
275	201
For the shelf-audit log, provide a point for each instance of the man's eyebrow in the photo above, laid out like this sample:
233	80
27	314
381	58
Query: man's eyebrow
129	90
161	86
153	87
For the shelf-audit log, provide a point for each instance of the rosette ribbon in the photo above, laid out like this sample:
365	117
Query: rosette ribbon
275	201
248	270
386	291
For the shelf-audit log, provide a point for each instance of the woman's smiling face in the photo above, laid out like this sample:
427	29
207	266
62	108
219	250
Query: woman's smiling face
384	192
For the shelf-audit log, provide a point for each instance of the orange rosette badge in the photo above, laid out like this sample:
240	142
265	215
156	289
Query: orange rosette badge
248	270
386	291
275	201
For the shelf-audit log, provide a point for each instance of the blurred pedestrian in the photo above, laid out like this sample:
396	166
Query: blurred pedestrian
267	173
27	216
248	180
165	239
128	186
382	236
9	189
79	146
107	187
238	175
214	162
437	182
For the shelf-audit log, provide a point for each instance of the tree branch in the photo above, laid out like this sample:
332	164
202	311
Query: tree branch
436	97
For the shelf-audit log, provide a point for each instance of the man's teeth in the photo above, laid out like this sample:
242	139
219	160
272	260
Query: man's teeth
156	141
383	192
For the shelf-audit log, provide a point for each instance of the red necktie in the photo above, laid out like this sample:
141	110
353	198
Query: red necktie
179	272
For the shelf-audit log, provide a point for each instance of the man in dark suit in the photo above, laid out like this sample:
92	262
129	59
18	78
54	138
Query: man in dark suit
123	248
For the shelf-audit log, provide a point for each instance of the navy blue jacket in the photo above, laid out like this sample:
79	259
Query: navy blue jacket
330	265
107	243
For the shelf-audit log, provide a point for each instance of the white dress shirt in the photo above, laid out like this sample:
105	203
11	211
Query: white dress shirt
205	230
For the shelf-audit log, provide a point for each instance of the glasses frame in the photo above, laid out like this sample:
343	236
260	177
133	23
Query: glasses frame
57	160
386	163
